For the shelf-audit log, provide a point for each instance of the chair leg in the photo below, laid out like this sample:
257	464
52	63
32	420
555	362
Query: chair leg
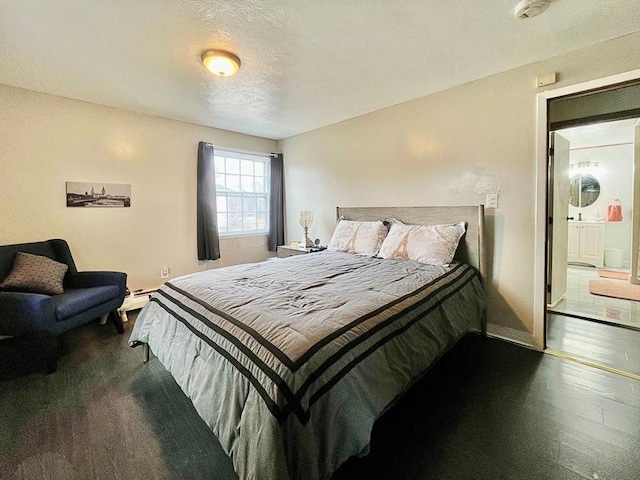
146	352
117	321
53	351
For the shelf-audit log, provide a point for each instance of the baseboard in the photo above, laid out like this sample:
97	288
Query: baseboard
511	335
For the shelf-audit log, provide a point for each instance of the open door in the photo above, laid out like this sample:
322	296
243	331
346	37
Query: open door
635	240
558	211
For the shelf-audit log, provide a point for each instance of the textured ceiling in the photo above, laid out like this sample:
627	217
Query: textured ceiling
305	63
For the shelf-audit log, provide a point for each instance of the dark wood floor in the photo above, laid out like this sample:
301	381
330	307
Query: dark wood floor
609	345
488	410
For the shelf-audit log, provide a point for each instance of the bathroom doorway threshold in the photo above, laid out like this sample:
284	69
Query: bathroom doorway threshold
598	344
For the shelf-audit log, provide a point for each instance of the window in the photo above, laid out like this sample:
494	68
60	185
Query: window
242	192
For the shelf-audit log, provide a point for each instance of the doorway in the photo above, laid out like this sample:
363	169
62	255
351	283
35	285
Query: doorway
599	249
581	323
600	220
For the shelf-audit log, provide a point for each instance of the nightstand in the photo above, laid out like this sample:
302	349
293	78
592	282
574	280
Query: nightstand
287	251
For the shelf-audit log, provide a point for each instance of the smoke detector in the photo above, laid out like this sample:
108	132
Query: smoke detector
531	8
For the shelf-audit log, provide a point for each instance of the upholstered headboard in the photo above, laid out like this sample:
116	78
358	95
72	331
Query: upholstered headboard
471	247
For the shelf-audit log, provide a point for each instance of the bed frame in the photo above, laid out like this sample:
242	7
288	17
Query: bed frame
471	247
395	318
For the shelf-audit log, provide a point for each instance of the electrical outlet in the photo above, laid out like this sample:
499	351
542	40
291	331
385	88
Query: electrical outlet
164	272
491	201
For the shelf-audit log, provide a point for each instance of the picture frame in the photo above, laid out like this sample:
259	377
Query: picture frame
98	194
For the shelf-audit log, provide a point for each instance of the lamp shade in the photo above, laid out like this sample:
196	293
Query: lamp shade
220	62
306	218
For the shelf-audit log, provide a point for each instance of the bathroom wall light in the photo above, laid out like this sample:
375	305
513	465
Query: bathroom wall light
585	167
220	62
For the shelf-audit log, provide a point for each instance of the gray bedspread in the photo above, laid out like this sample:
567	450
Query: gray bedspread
291	361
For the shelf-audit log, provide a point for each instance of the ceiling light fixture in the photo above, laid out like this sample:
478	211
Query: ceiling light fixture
220	62
530	8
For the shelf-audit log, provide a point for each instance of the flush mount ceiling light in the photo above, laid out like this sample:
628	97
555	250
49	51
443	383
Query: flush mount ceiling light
220	62
531	8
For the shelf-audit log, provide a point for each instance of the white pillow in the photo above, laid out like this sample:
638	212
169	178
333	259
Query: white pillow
362	238
431	244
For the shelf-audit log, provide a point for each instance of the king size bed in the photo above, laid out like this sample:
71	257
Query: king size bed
291	361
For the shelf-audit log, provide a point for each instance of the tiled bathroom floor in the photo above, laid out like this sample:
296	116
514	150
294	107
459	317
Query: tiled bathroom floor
578	301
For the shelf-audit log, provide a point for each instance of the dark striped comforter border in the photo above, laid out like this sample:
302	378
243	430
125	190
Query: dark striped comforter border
429	297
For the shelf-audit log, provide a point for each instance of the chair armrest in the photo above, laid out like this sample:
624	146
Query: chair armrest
100	279
26	313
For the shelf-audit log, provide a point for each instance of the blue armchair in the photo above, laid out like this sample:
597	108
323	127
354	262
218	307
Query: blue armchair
86	296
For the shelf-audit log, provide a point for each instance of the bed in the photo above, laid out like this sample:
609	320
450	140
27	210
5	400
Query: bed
291	361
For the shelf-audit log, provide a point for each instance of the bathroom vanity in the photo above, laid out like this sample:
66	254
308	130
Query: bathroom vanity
586	243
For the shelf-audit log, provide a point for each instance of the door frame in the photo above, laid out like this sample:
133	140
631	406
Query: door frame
541	200
635	235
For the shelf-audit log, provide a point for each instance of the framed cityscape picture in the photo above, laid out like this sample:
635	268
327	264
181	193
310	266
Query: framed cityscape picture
98	194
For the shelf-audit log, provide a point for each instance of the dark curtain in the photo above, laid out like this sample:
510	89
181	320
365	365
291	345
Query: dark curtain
208	240
276	202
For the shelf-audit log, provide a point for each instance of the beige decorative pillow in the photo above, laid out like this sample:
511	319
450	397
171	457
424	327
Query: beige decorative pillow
363	238
431	244
35	274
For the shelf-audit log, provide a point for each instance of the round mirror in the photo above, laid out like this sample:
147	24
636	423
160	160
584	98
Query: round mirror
584	189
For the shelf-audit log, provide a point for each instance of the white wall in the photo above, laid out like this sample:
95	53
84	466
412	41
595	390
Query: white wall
449	148
47	140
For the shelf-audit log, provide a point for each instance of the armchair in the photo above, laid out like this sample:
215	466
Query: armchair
86	296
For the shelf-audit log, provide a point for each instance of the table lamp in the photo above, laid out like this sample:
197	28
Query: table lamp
306	218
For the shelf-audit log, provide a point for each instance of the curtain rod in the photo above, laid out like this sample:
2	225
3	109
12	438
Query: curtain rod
238	150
